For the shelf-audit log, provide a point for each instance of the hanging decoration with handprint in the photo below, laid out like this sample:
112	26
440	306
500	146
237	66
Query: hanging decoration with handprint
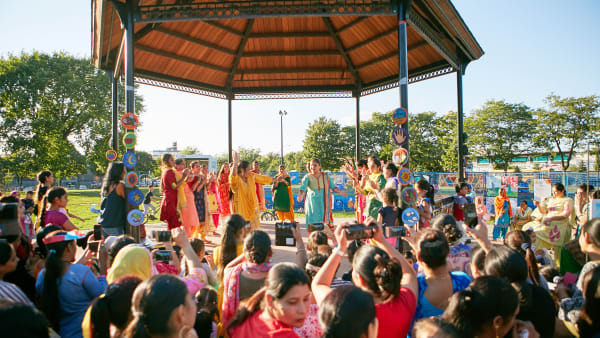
400	136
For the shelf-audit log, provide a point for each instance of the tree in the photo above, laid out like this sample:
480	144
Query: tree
424	144
566	124
53	109
323	141
189	151
500	131
295	161
445	130
145	163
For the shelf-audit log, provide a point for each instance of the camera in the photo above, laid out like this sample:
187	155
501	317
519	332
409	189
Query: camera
97	232
316	227
93	246
394	231
9	221
162	236
471	219
163	256
283	233
360	231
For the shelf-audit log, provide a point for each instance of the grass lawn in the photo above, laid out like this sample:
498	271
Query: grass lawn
80	202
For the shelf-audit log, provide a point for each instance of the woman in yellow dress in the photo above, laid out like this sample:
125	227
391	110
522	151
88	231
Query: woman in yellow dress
558	215
243	184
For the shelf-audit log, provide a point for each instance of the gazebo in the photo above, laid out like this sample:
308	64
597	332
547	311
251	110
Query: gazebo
244	50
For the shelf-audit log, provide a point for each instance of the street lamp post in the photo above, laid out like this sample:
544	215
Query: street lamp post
281	114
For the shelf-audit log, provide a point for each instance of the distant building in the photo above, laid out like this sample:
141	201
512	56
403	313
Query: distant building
535	162
208	160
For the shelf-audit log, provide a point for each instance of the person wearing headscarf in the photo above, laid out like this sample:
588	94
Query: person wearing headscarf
131	261
503	214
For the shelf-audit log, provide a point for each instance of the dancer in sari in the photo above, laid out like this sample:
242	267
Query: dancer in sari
357	176
189	216
223	186
260	190
503	214
172	191
198	186
212	195
374	183
317	186
243	184
283	199
555	228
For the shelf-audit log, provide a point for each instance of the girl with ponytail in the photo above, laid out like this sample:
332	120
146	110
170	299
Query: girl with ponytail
45	181
520	241
381	271
487	308
66	289
426	193
536	304
281	305
348	312
57	198
163	307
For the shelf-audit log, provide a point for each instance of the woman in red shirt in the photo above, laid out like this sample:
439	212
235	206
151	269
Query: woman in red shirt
277	308
381	271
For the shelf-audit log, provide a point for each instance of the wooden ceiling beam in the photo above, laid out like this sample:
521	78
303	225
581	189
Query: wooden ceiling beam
352	24
238	55
291	70
195	40
181	58
392	54
292	53
342	51
273	35
223	27
373	39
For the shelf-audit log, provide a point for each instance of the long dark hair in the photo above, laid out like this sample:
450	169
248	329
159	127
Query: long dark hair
433	247
41	188
347	311
51	195
50	303
592	228
471	309
458	187
509	264
446	223
234	224
423	184
282	278
520	241
153	301
114	308
113	176
380	272
243	165
589	320
257	247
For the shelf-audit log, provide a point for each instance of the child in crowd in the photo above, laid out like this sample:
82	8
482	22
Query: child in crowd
388	214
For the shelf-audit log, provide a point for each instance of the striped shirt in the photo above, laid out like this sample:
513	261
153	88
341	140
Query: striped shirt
12	292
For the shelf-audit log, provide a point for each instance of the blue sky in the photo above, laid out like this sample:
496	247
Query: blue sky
532	48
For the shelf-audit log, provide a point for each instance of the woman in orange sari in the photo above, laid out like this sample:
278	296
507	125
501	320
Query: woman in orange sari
283	200
503	213
223	187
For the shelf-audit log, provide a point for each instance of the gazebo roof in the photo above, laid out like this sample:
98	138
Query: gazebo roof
293	48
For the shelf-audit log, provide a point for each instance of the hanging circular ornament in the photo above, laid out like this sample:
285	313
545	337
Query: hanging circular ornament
410	217
400	157
135	217
400	136
129	121
129	140
131	179
129	160
405	176
409	195
111	155
135	197
110	145
400	116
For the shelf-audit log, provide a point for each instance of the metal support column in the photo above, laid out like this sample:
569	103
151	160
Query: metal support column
357	133
229	131
459	124
114	111
402	7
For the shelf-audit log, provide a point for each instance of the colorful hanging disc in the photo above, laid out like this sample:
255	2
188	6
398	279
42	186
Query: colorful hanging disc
400	116
400	157
409	195
129	160
405	176
111	155
131	179
135	197
129	140
129	121
410	217
135	217
399	136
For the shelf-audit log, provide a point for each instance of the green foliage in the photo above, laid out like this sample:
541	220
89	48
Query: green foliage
424	143
323	141
53	110
566	125
295	161
500	131
145	163
445	129
189	151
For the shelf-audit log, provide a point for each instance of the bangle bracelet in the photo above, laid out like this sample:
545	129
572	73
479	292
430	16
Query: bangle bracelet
337	251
